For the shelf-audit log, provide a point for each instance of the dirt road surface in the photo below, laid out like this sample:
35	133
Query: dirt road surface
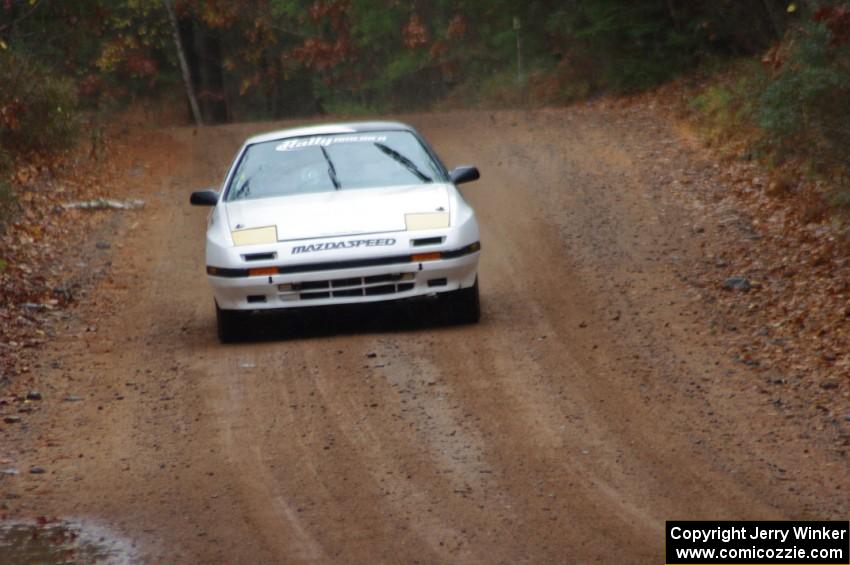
592	403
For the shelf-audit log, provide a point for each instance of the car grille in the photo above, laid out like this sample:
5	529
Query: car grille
347	287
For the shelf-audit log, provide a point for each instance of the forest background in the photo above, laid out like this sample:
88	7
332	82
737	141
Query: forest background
768	78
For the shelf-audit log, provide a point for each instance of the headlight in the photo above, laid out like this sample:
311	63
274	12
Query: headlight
255	236
427	221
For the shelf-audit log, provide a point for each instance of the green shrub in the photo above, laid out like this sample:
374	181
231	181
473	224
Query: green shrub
793	110
716	110
38	109
727	108
805	108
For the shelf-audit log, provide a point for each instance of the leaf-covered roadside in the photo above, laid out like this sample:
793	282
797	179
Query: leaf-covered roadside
774	276
47	255
793	326
779	129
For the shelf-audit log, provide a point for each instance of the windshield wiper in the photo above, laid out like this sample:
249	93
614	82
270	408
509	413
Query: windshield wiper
405	162
243	189
331	169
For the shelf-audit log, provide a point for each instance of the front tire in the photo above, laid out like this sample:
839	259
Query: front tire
229	324
463	306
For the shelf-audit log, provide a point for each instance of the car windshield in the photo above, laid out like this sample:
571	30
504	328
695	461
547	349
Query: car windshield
325	163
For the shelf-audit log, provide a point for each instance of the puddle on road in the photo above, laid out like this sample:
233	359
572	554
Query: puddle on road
61	541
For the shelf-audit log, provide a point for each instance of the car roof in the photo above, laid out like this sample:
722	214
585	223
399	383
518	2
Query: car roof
329	129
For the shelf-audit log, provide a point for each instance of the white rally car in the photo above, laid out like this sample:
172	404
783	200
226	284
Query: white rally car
339	214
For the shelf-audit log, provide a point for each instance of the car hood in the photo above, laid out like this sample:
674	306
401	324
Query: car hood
338	213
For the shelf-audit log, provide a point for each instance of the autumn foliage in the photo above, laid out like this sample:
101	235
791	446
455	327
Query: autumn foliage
285	58
279	58
837	20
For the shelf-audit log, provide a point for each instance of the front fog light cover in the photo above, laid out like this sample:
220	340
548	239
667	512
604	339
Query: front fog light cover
255	236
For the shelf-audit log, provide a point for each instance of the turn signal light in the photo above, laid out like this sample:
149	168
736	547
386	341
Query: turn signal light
426	257
262	271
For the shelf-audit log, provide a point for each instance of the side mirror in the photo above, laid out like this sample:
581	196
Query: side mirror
207	197
460	175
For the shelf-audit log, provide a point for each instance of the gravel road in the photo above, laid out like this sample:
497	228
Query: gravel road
592	403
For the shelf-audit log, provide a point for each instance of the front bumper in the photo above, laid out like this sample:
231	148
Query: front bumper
370	279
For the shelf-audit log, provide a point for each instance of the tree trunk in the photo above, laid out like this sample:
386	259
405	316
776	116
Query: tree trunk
774	21
213	79
184	67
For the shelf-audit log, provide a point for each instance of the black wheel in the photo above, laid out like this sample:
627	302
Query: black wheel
463	306
229	324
